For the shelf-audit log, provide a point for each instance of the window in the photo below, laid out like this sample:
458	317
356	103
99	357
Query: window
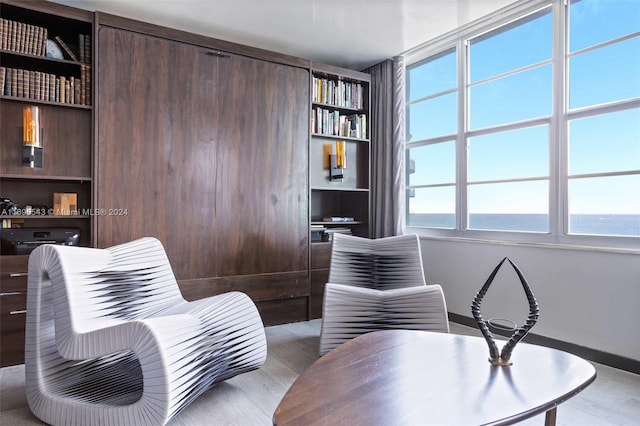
527	127
433	110
603	137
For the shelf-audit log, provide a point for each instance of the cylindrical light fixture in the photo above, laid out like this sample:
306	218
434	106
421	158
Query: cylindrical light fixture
31	137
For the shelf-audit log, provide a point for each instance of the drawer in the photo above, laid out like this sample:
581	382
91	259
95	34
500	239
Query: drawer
13	274
320	255
12	331
14	264
13	307
12	303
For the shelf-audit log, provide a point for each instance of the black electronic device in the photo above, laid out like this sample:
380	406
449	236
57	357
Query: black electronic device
24	240
8	207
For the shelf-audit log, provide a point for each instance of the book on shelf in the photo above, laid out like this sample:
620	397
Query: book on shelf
3	34
20	84
344	230
52	88
332	123
67	92
13	28
340	93
3	74
8	81
338	219
81	47
21	37
57	90
28	39
63	85
84	48
28	84
42	86
77	93
66	48
14	83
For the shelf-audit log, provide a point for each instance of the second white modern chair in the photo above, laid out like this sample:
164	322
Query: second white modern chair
378	284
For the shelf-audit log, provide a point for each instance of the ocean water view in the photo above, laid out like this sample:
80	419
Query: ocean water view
589	224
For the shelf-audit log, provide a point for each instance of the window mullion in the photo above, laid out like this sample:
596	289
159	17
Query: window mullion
558	152
461	140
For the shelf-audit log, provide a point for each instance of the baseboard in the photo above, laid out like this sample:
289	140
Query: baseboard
594	355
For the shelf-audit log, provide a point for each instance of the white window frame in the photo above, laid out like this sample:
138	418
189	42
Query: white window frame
558	142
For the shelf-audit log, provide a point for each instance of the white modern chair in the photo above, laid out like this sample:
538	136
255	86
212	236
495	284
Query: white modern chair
378	284
111	341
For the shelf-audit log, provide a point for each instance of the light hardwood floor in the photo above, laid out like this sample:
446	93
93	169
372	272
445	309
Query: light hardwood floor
251	399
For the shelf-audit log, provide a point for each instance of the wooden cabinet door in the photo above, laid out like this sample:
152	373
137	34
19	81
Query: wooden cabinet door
156	159
206	152
261	180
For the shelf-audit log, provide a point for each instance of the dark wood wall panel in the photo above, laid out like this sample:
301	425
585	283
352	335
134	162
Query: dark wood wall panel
208	153
261	189
259	287
283	311
156	150
280	297
105	19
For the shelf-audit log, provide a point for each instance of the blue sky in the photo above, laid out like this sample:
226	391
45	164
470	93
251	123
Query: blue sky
598	144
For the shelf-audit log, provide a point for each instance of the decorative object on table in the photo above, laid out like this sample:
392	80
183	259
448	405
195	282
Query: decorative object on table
503	357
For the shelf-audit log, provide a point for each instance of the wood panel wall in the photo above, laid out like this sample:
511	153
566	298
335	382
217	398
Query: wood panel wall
206	151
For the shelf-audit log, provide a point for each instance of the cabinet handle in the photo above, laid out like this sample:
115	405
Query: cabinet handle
24	311
218	54
10	293
19	274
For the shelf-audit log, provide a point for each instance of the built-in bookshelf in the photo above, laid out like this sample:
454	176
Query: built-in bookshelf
338	107
340	188
44	59
45	65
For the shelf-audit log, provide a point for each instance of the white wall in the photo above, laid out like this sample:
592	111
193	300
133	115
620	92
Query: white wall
589	298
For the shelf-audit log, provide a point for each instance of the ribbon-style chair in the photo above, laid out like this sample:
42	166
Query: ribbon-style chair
378	284
111	341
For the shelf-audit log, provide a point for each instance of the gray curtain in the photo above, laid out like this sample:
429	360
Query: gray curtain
387	146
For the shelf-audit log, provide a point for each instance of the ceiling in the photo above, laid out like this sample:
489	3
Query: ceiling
347	33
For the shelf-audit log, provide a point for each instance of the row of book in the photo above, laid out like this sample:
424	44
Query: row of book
333	123
339	93
30	39
84	48
22	38
42	86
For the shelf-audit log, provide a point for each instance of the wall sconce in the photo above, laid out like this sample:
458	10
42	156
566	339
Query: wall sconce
32	136
335	159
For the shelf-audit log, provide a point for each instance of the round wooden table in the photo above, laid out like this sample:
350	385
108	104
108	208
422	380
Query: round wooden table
404	377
